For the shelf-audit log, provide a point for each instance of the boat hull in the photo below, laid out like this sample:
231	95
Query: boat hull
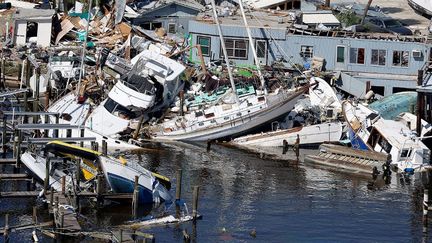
356	141
121	179
238	127
309	135
421	8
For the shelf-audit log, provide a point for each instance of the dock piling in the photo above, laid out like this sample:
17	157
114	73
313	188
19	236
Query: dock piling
425	207
104	147
285	146
4	137
47	170
178	184
135	198
34	217
51	202
195	202
18	151
63	185
6	228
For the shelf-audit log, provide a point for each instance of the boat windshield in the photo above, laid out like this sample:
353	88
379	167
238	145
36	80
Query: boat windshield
119	110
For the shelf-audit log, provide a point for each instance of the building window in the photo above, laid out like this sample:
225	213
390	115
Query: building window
340	55
236	48
204	42
306	51
151	25
378	57
172	28
400	58
378	90
261	48
357	55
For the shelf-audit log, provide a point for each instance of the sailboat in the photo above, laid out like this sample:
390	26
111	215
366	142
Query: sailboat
321	95
368	131
232	115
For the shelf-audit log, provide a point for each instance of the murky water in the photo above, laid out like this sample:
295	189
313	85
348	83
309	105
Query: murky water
282	201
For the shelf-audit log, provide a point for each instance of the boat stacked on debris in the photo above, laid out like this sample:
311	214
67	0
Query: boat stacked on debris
329	128
368	131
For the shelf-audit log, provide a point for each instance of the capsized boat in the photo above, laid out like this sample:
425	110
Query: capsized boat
368	131
120	173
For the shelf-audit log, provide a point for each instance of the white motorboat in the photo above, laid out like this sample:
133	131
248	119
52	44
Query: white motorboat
368	131
152	85
308	135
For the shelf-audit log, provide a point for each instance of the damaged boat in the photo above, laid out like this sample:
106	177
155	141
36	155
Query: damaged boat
321	95
368	131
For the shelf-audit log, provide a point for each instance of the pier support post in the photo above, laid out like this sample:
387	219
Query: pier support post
6	229
51	202
181	94
135	198
420	102
82	135
99	188
178	191
47	121
137	131
104	147
63	185
47	170
4	136
34	217
78	173
284	146
57	121
425	207
178	184
18	152
15	143
195	202
95	146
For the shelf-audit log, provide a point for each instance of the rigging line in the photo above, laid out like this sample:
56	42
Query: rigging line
278	46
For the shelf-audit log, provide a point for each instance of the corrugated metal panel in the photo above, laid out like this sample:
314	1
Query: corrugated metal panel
317	18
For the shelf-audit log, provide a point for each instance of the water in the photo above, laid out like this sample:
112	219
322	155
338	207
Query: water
280	200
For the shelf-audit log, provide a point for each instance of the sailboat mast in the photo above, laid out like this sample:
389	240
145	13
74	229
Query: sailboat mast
252	45
84	49
224	50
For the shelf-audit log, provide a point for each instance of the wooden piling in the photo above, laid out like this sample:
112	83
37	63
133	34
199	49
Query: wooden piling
51	202
195	202
47	170
63	185
69	133
137	131
135	201
420	102
99	188
34	217
18	151
82	135
425	207
178	184
6	228
4	137
78	173
95	145
15	143
285	146
47	121
57	121
181	94
104	147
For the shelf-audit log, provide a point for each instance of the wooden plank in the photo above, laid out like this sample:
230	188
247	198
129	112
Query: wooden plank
70	222
7	161
19	194
14	176
46	126
70	139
